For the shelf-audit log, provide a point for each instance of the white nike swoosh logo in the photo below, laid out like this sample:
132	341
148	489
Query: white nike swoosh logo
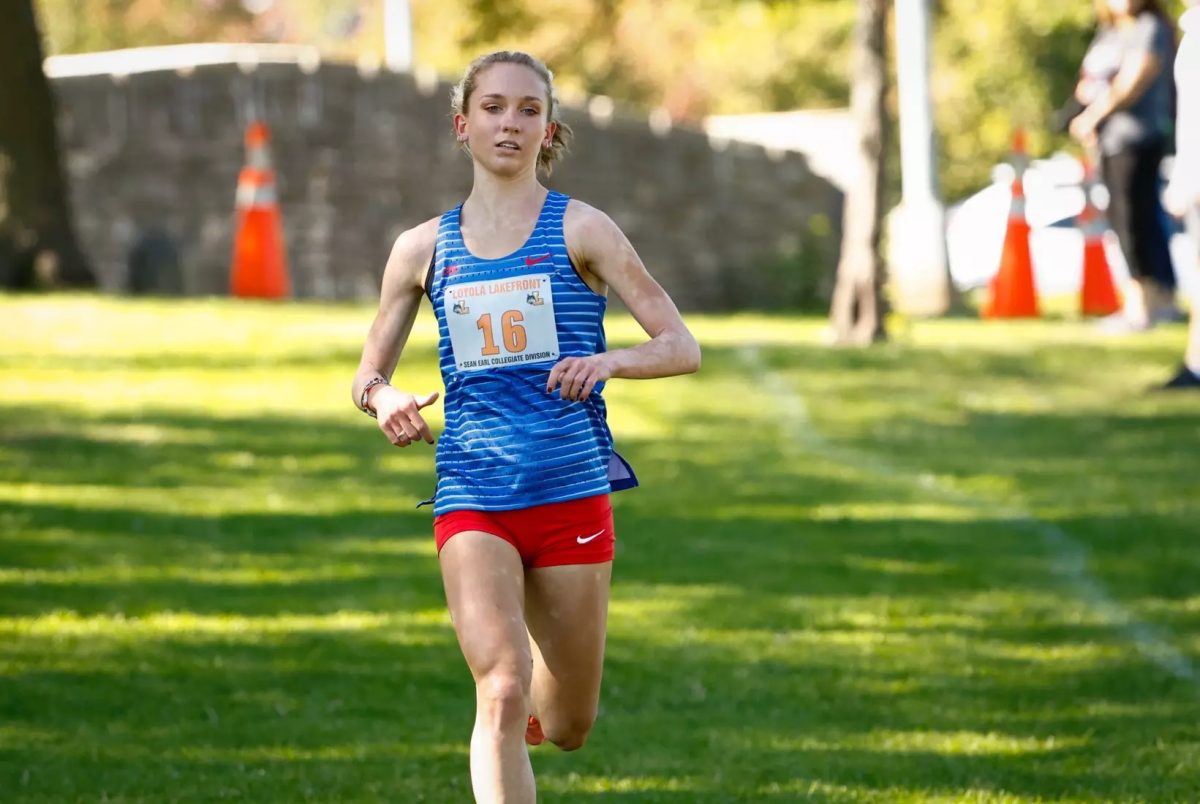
586	539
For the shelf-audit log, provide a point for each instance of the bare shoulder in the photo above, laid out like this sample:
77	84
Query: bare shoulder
590	233
412	252
416	245
585	221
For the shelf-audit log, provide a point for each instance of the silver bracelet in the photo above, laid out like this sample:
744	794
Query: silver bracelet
362	399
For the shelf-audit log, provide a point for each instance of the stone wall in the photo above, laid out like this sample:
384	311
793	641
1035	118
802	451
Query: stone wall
360	157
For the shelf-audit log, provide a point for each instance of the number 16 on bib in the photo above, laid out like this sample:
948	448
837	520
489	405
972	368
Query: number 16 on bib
504	322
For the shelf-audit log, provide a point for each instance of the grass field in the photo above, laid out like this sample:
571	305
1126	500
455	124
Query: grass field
962	566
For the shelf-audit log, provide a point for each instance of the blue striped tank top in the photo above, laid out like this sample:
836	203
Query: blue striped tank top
502	325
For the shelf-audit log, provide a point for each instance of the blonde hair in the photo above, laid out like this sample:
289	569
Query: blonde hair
460	96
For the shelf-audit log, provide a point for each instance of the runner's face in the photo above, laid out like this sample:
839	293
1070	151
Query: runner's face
505	121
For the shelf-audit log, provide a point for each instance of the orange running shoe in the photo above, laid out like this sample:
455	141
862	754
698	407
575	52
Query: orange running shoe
533	732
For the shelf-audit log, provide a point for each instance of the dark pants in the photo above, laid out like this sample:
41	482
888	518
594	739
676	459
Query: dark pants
1134	211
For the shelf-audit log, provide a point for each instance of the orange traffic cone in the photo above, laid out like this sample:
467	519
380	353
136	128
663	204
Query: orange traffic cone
1012	293
1098	293
259	262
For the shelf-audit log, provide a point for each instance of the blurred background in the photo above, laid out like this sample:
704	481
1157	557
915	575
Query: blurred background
995	64
735	112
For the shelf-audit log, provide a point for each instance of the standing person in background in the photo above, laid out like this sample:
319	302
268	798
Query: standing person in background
519	277
1182	198
1128	97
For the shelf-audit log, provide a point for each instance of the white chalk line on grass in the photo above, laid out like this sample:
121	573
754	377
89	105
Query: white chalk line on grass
1070	556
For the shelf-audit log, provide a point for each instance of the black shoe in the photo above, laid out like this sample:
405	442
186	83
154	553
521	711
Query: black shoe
1185	378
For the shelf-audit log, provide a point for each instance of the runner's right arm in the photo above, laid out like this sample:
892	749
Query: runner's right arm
398	411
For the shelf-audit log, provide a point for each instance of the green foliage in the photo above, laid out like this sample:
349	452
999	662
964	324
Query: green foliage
80	26
996	64
959	567
999	66
693	58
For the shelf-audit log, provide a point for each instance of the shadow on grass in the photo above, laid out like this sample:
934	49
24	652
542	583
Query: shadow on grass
207	359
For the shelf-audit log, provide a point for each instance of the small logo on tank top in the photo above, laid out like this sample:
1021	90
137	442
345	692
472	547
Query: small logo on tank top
529	261
451	270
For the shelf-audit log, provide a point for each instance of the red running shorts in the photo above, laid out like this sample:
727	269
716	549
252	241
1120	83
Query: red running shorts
571	532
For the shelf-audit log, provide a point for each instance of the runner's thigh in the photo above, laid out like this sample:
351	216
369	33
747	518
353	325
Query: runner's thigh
566	608
484	582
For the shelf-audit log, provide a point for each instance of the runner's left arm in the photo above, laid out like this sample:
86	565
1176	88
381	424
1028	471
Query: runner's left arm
601	249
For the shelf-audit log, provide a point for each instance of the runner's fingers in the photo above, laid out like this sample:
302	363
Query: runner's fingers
555	375
408	429
399	431
570	383
417	429
559	375
578	378
574	378
587	382
579	384
422	428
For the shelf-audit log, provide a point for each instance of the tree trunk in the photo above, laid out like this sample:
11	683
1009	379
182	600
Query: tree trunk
857	309
37	240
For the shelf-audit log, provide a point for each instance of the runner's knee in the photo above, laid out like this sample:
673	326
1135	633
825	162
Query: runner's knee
501	697
570	733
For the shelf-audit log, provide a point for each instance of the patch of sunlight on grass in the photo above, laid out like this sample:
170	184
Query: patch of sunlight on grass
242	459
210	501
649	609
85	324
863	624
27	736
827	791
948	743
894	566
1184	605
837	512
1084	653
260	575
581	783
353	752
136	434
1005	336
167	625
381	547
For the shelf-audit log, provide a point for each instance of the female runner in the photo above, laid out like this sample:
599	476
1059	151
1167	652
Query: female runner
518	277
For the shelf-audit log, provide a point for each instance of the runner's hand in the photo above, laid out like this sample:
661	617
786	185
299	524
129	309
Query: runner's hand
577	376
1083	128
399	414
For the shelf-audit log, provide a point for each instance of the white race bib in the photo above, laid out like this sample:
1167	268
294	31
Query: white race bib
501	322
